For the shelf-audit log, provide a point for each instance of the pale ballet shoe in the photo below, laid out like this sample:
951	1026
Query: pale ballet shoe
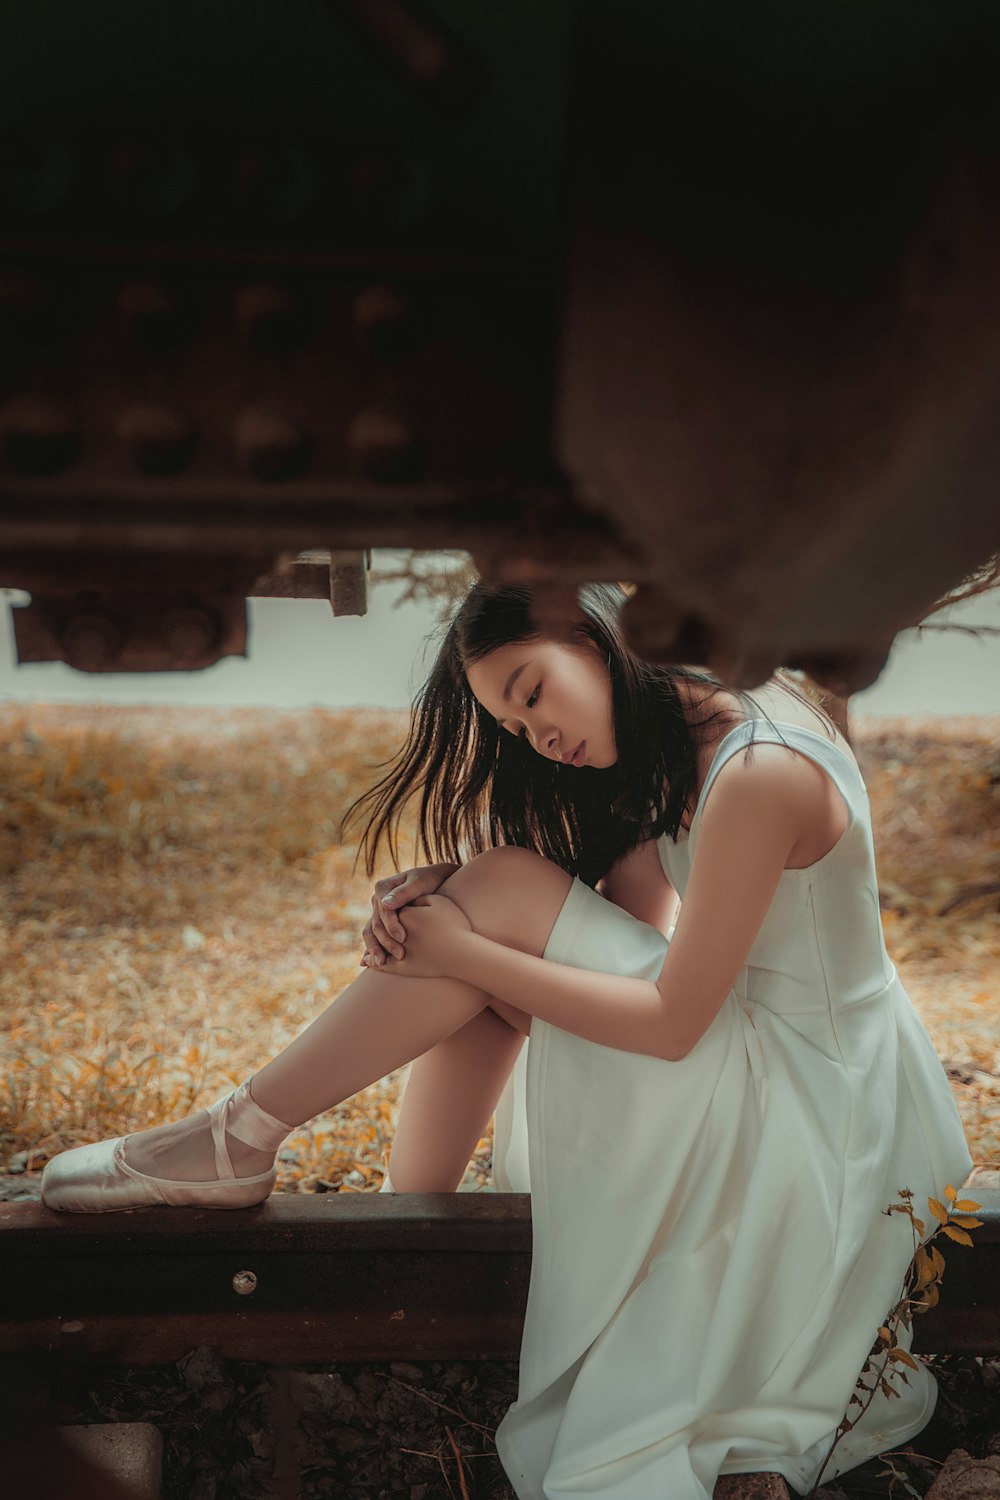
98	1179
387	1186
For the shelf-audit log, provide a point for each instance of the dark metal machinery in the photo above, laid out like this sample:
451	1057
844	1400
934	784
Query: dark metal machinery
702	297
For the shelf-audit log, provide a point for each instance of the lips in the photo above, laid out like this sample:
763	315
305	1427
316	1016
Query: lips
576	759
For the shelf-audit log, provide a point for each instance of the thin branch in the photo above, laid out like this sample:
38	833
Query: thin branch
981	581
965	629
458	1459
418	1392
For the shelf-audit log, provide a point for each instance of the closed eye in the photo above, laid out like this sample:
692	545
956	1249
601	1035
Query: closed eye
530	703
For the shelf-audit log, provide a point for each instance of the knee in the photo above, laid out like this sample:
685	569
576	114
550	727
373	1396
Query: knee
509	894
497	868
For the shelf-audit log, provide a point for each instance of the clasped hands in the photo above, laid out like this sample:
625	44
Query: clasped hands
419	942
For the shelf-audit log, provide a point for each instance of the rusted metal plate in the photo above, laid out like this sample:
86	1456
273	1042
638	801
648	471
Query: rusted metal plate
352	1277
131	630
339	577
355	1332
338	1276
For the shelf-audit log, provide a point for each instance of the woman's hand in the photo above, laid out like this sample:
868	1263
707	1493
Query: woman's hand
432	925
383	935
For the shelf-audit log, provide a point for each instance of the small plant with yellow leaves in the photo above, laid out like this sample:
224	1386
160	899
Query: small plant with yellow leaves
920	1292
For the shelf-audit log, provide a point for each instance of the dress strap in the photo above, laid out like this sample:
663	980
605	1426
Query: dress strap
830	756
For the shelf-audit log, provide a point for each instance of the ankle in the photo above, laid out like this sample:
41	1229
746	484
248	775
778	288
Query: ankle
247	1161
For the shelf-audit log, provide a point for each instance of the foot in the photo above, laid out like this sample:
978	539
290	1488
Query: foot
183	1151
100	1179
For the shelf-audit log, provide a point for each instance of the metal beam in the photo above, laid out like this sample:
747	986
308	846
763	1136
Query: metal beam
345	1276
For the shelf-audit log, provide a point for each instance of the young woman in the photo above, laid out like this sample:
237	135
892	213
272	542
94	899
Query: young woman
712	1114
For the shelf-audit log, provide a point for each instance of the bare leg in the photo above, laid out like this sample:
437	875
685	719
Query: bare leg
450	1094
377	1024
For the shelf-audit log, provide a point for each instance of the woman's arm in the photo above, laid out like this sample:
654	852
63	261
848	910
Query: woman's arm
638	884
750	825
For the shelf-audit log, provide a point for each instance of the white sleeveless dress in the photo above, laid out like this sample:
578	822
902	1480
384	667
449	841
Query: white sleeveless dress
711	1254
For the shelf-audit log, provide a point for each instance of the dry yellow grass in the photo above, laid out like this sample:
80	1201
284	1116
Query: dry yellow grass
935	798
175	907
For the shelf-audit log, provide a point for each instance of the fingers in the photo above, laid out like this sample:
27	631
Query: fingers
388	927
423	881
379	943
385	941
385	934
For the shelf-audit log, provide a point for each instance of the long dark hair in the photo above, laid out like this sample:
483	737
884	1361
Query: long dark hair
481	786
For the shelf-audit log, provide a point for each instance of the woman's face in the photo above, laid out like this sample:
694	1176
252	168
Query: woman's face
557	696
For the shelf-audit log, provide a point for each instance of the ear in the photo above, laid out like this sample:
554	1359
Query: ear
584	641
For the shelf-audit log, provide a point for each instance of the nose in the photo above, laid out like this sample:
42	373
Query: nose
544	742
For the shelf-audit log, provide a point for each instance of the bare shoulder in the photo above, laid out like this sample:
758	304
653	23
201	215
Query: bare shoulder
785	708
773	781
771	778
778	791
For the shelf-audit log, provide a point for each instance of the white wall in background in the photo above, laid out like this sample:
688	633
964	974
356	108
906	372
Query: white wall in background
300	655
937	672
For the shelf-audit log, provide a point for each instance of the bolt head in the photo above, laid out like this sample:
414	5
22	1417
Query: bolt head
160	441
386	448
91	641
38	436
386	321
151	315
270	445
190	632
270	318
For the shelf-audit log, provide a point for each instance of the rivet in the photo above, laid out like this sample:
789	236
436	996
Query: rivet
190	632
270	318
389	190
38	436
160	441
274	184
386	321
90	641
386	448
270	446
244	1282
152	314
151	177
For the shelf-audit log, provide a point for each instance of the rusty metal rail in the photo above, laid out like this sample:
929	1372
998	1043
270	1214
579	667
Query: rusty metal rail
341	1277
328	1277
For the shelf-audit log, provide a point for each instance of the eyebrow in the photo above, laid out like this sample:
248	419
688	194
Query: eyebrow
508	685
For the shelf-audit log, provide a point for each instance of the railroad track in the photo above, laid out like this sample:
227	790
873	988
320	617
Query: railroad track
343	1277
